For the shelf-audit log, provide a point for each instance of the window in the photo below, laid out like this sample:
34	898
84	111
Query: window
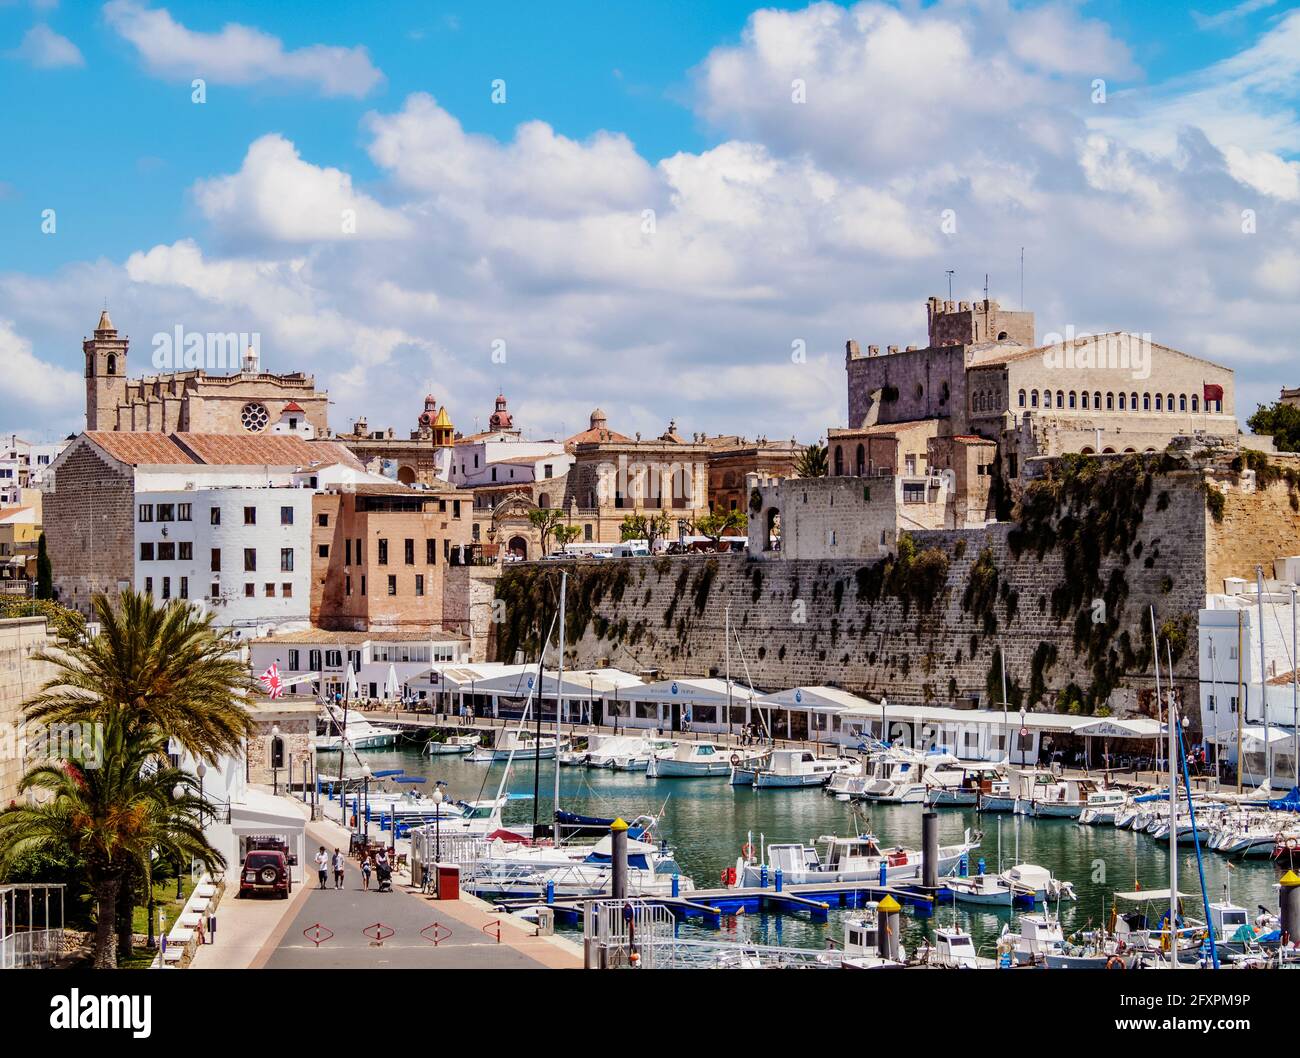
347	584
1195	402
383	551
1033	399
286	516
270	590
214	591
167	551
216	560
392	584
250	515
250	590
586	532
146	551
548	470
185	588
184	512
1159	402
1060	399
1110	401
1121	402
419	584
214	516
446	550
286	560
1146	401
363	584
323	550
1085	401
409	552
322	520
313	660
250	559
148	585
293	661
333	659
1182	402
455	508
286	590
431	552
166	587
914	492
347	552
185	551
146	512
165	512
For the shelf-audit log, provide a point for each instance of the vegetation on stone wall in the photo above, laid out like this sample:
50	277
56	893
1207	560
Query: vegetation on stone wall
982	591
1268	473
912	576
64	623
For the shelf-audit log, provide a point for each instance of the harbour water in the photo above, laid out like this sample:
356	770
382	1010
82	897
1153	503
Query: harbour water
707	821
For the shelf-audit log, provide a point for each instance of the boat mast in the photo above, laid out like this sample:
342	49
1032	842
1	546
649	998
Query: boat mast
559	704
726	618
1173	810
1155	655
1241	695
1006	733
1295	699
1263	680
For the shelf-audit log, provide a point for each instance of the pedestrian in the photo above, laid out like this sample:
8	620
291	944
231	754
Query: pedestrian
338	869
323	866
366	867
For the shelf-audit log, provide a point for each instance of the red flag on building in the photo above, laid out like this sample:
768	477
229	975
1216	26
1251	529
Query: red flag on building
1213	392
272	682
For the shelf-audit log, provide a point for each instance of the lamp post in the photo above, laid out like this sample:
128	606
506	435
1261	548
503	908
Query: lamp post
178	792
275	767
364	808
201	771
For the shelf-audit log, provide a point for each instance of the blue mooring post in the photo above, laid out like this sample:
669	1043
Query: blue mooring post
980	865
965	865
677	886
778	879
762	876
550	890
884	873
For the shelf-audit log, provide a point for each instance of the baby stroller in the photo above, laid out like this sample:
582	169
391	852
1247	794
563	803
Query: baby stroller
384	875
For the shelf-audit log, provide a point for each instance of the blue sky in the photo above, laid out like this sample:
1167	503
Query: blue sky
782	224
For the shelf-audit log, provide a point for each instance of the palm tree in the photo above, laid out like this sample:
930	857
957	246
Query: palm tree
165	666
812	462
111	817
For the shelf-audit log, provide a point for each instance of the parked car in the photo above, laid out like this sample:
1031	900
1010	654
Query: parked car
265	871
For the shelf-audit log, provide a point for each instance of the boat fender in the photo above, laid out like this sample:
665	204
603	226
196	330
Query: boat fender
1115	963
735	758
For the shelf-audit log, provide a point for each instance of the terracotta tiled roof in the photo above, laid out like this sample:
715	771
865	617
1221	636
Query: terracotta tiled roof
293	405
138	448
313	636
595	437
972	439
217	449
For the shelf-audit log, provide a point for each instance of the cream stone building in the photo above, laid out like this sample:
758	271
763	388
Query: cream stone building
21	675
246	401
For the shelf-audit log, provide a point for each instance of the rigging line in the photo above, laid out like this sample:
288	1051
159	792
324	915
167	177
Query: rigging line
750	684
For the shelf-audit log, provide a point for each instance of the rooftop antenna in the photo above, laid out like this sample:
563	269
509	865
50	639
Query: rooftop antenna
949	274
986	286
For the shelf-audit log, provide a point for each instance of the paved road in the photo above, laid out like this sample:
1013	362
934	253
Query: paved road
348	912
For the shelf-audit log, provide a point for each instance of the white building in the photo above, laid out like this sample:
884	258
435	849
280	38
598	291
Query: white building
325	657
1233	699
503	459
23	465
241	553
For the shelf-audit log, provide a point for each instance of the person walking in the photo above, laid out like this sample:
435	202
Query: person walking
367	865
323	866
338	869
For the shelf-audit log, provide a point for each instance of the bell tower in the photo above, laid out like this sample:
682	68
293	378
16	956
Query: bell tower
105	374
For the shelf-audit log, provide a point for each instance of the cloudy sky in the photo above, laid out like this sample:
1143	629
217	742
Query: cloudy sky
651	208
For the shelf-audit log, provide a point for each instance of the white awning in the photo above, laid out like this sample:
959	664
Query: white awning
1109	727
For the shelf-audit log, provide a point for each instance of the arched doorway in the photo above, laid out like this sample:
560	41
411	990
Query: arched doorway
518	546
772	525
406	475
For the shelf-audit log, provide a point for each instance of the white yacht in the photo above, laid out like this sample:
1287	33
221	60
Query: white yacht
989	889
359	734
525	745
908	778
1102	807
976	779
625	752
1040	942
1039	881
856	859
788	768
504	867
1055	798
954	949
452	745
693	760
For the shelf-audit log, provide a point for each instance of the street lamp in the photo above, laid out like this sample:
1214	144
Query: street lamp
275	767
201	771
364	809
178	792
438	798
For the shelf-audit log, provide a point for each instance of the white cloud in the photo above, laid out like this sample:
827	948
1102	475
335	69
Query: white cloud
276	196
34	389
238	55
43	48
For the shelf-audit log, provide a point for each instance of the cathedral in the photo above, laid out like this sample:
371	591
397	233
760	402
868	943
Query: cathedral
247	401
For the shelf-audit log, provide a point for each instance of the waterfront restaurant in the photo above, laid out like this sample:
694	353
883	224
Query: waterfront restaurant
815	714
491	689
687	704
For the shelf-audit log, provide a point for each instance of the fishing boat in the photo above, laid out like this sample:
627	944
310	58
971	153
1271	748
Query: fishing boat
788	769
358	734
862	944
1000	797
1039	881
953	949
452	745
693	760
1133	929
1055	798
854	859
1041	943
514	741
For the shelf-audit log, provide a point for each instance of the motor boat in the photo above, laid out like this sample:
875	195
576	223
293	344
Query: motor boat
1102	807
975	780
910	775
504	867
861	947
1055	798
789	768
1000	797
523	744
1039	881
847	785
694	760
452	745
1041	943
625	752
359	734
855	859
989	889
954	949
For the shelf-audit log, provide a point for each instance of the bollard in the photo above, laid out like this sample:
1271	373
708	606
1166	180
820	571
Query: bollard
762	876
930	849
212	929
888	925
778	879
884	874
1289	900
677	886
979	867
550	890
618	839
